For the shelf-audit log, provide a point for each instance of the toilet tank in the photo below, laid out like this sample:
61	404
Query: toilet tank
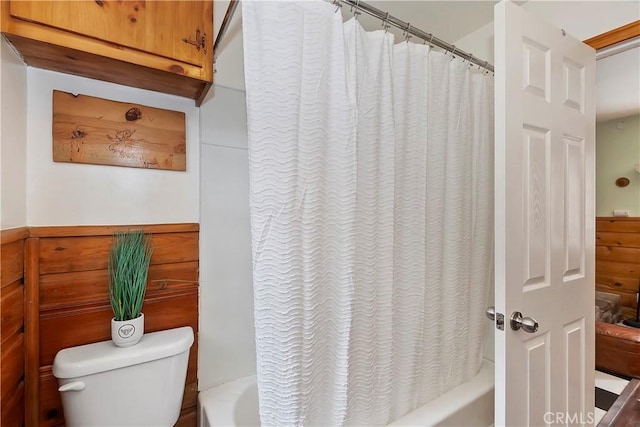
142	385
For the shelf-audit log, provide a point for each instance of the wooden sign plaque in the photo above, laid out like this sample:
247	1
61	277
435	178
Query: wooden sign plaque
102	132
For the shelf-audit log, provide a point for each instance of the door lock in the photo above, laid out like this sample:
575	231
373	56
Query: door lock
491	313
526	323
497	317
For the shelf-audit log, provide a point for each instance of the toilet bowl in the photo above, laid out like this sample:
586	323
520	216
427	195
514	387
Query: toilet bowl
104	385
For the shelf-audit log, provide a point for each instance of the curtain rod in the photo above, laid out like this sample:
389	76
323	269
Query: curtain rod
386	19
233	5
429	38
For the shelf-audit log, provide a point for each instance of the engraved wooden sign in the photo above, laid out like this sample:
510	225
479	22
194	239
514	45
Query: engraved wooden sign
102	132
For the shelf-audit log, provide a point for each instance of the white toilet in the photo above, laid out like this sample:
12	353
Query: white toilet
142	385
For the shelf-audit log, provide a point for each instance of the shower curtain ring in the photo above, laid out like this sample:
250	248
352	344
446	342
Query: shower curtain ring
453	52
337	5
431	40
407	36
385	23
356	10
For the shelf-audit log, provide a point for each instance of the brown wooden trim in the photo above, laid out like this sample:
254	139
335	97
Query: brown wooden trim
615	415
107	230
614	36
618	218
14	234
202	94
20	233
32	331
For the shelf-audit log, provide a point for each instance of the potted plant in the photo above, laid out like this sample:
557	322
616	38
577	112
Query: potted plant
128	270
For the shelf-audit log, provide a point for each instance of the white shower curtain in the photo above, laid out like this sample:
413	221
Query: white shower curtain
371	216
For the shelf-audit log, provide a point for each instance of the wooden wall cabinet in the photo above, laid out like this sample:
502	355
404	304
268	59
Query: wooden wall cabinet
165	46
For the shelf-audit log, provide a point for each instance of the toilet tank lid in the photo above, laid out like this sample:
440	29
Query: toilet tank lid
105	356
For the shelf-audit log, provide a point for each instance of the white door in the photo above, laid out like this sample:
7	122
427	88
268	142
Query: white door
545	138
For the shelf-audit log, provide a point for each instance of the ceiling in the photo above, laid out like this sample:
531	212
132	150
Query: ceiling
618	84
452	20
448	20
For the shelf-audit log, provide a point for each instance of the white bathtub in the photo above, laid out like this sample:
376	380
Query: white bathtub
469	404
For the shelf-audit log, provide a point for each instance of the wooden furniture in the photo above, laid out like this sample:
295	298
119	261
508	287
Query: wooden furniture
625	411
618	349
166	46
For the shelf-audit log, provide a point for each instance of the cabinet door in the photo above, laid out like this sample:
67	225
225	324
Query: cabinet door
163	28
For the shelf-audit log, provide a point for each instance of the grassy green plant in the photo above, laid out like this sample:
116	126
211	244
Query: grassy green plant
128	270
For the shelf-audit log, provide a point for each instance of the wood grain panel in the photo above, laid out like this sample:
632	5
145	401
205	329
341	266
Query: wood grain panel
13	408
618	254
14	234
109	230
31	330
171	78
192	368
51	412
619	225
12	311
12	259
70	328
615	284
103	132
69	299
628	240
92	287
60	49
12	365
11	326
69	254
154	27
190	398
620	269
618	259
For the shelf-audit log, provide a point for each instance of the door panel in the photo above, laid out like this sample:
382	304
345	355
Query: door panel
545	133
157	27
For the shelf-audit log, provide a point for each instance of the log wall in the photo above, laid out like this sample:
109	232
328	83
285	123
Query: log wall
12	325
618	259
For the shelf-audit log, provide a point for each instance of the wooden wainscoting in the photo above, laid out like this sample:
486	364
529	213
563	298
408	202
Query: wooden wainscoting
12	324
66	303
618	259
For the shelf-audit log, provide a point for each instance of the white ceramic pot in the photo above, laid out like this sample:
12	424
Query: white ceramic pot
125	333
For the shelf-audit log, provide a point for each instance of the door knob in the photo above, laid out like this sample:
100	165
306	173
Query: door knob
526	323
491	312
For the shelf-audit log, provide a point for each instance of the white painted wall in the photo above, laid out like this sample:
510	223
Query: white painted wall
13	137
79	194
230	63
617	153
581	19
226	338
